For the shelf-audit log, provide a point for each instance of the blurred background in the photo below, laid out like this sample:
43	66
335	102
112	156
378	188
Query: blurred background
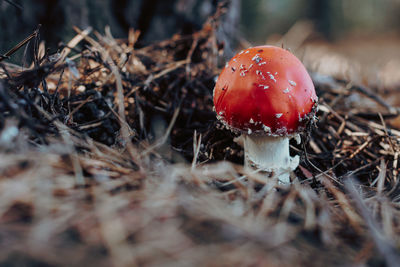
357	40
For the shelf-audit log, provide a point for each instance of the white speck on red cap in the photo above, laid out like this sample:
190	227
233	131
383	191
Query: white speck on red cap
272	77
266	128
257	58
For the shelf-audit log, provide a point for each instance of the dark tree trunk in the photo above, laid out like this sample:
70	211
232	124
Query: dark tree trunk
156	19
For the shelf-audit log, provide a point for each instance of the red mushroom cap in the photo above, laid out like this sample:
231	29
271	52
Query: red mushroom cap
265	89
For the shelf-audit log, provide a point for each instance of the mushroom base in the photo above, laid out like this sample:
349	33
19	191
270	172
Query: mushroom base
270	154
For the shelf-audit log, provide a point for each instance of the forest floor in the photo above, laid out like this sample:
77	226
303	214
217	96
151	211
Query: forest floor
112	155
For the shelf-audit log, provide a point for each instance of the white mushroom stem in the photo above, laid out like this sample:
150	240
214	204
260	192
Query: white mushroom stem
270	154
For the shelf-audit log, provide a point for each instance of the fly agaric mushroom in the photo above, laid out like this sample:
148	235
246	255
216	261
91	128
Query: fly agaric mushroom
266	94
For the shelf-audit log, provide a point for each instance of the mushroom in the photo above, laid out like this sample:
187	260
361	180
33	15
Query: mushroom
266	94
